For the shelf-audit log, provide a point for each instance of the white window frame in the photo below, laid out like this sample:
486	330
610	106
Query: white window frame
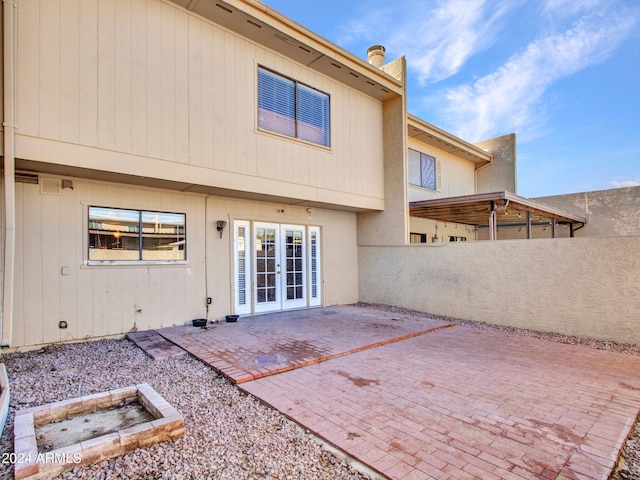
139	232
314	268
243	303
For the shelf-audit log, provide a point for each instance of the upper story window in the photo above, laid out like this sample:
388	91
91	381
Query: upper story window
292	108
423	170
117	234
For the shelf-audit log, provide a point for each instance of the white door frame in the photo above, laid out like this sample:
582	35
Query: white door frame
267	253
293	257
286	275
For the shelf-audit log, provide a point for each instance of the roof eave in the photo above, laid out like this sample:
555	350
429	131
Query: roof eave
265	26
428	133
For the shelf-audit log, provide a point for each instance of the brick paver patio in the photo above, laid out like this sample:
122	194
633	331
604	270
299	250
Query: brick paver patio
456	402
267	344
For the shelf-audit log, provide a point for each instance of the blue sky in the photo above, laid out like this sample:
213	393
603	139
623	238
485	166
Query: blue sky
564	75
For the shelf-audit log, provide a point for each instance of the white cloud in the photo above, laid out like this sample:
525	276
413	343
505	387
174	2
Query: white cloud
628	183
509	99
437	38
568	7
440	42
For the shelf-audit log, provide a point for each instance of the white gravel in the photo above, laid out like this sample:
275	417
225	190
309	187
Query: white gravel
229	435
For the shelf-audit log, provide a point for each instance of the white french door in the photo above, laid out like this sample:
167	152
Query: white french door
294	275
267	267
276	267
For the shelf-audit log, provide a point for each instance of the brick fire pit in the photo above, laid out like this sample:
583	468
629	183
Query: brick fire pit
158	422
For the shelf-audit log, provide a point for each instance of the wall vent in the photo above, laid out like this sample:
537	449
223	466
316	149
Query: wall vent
284	39
27	178
228	10
50	186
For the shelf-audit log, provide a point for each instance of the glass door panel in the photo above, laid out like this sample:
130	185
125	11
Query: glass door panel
267	268
293	280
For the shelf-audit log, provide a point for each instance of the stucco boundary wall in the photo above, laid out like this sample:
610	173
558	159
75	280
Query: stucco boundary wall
587	287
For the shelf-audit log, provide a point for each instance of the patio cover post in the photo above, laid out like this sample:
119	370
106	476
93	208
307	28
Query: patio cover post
528	225
492	222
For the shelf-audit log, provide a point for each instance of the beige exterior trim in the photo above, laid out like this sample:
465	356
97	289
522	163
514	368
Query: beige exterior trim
9	213
427	133
188	178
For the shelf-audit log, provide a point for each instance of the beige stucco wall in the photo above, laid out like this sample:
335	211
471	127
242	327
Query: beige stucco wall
583	286
100	300
501	174
146	88
391	226
608	212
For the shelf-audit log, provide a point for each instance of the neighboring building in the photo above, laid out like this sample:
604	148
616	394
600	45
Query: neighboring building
461	192
614	212
441	165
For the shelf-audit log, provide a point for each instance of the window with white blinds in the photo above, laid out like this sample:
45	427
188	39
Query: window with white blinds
292	108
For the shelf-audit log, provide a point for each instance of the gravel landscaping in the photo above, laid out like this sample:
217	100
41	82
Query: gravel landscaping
229	435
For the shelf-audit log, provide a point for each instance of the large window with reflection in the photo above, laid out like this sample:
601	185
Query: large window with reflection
117	234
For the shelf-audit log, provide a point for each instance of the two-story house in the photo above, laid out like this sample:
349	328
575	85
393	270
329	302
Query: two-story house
172	160
167	160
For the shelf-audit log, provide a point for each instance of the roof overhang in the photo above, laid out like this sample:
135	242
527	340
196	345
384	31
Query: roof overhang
476	210
265	26
432	135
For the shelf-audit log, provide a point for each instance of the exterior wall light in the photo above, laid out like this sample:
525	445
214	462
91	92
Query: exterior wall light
220	224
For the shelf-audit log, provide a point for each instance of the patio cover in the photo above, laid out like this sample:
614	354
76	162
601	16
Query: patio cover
494	209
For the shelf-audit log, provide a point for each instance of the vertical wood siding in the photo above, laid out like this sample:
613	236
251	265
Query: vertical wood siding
102	299
147	78
98	300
